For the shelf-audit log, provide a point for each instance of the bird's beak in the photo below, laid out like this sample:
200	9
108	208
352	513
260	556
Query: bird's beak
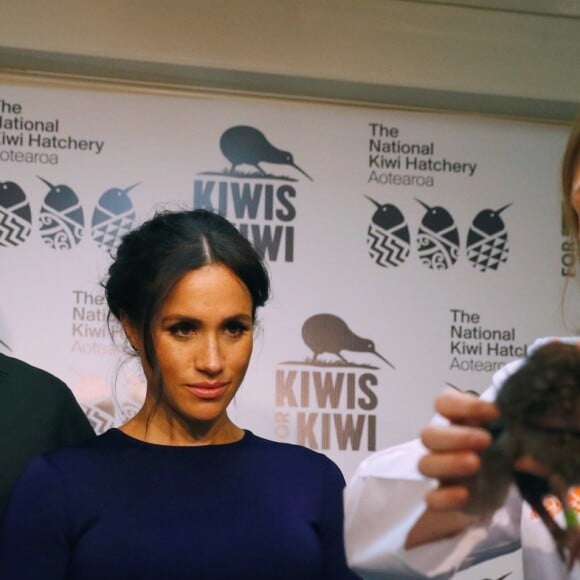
302	171
383	358
47	182
131	187
423	204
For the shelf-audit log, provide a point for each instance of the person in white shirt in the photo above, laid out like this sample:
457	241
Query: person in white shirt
404	505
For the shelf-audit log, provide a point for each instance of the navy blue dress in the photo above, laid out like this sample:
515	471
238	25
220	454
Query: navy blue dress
118	508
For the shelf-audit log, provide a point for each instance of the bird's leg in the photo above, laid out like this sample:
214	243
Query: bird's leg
570	537
533	488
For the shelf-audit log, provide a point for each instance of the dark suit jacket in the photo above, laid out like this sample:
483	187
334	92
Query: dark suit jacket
38	413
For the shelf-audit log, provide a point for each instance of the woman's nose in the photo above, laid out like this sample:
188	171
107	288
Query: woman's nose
209	358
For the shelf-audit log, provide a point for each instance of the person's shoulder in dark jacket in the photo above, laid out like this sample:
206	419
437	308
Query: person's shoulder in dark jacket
38	413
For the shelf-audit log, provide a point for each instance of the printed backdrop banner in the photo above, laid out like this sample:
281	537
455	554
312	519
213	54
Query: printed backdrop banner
408	250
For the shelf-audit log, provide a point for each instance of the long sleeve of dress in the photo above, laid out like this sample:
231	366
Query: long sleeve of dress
33	539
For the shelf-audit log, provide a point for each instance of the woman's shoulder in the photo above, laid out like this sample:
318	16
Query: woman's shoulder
285	451
68	464
280	446
91	449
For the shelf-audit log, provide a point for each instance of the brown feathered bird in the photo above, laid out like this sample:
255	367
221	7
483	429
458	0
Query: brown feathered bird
539	420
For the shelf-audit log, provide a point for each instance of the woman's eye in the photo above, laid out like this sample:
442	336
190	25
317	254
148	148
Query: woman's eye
236	328
182	329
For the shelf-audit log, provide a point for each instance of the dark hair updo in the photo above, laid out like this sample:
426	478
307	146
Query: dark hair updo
154	257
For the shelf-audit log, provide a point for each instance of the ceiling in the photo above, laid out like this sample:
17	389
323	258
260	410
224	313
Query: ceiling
561	8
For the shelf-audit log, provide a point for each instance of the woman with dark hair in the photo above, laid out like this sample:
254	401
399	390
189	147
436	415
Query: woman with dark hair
180	491
408	507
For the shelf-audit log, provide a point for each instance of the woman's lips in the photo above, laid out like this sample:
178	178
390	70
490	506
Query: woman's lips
207	390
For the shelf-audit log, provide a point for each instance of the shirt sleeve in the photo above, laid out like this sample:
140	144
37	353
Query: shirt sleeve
384	499
33	539
382	502
331	527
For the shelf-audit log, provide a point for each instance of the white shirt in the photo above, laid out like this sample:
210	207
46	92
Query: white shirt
385	497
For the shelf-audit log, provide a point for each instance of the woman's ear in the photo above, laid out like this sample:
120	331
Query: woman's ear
131	333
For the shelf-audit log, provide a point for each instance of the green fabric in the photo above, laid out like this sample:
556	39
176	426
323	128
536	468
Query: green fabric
38	413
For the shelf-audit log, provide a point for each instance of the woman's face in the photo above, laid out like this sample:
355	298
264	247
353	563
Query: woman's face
203	337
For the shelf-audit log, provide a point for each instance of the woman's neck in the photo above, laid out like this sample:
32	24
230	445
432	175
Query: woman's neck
156	426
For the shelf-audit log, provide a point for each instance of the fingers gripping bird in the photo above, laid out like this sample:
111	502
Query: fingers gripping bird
243	145
329	333
539	420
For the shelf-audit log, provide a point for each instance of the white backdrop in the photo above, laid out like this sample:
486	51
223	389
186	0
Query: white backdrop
435	236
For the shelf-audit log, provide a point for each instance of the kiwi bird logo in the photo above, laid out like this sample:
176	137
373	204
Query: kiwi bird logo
468	391
15	215
388	237
487	240
329	333
61	217
113	217
437	238
95	400
100	415
242	145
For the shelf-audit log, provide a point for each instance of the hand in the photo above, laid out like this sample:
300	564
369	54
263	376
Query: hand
453	450
453	459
